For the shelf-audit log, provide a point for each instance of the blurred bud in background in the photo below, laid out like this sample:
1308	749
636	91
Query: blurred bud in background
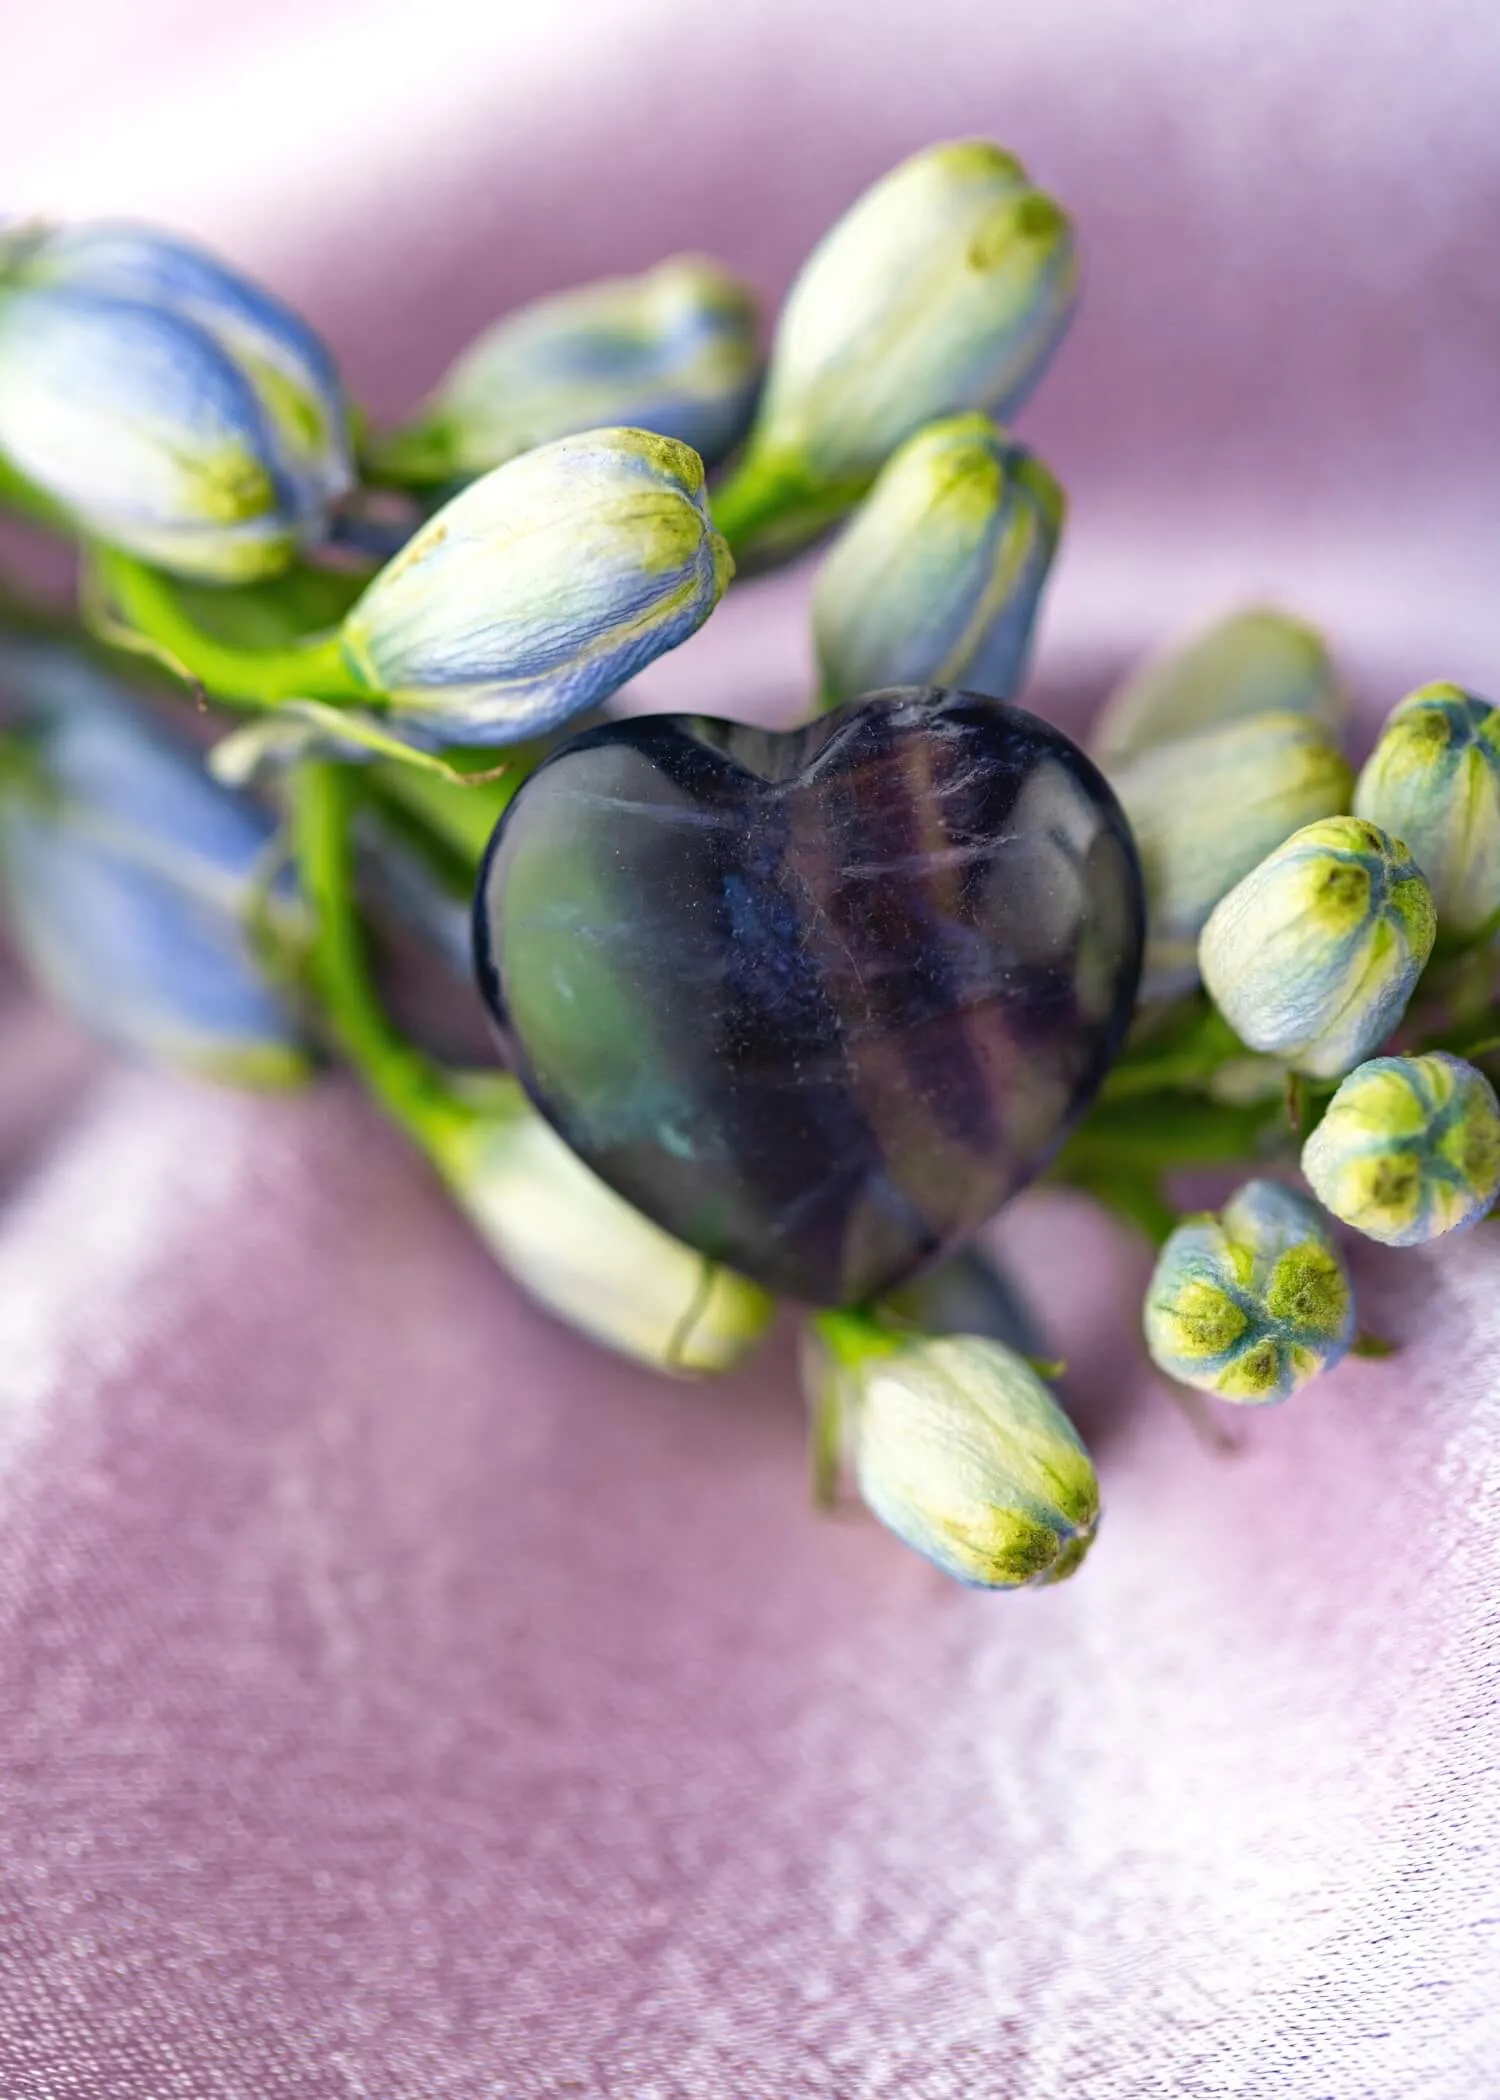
1313	957
587	1255
1206	809
1255	662
1434	781
946	287
959	1448
168	404
541	588
672	351
1408	1149
1251	1304
937	579
132	880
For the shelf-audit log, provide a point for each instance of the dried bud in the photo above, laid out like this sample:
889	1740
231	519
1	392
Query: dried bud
1408	1149
1314	955
1253	1303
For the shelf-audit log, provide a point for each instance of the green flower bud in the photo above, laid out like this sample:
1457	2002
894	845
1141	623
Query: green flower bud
1314	955
1255	662
591	1258
1434	780
671	351
541	588
961	1450
946	287
1207	809
1408	1149
937	579
1251	1304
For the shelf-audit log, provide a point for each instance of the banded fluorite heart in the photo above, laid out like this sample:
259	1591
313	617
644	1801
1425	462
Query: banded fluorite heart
818	1002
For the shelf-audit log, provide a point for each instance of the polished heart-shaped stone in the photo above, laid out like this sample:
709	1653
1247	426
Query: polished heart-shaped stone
817	1001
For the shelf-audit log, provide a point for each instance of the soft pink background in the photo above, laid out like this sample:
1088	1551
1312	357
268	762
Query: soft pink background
402	1699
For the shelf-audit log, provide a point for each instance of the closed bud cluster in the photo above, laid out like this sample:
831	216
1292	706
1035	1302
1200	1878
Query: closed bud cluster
936	580
1434	781
131	879
168	404
960	1449
588	1256
1260	661
672	351
541	588
1313	957
1206	809
1408	1149
1251	1304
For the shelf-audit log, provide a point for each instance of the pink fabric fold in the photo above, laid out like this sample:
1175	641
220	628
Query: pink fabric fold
397	1696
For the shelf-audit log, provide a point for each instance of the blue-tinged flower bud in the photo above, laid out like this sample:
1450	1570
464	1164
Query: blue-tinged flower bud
1251	1304
946	287
541	588
1434	781
960	1449
132	879
170	405
672	351
591	1258
1408	1149
936	580
1256	662
1208	808
1313	957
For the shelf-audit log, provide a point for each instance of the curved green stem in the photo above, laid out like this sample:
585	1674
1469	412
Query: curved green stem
139	607
413	1091
769	508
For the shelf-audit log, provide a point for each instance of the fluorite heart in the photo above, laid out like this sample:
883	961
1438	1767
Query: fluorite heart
817	1002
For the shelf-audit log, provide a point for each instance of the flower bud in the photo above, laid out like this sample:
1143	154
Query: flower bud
1434	781
1408	1149
946	287
591	1258
961	1450
1206	809
936	580
1255	662
541	588
170	405
1251	1304
1313	957
131	878
671	351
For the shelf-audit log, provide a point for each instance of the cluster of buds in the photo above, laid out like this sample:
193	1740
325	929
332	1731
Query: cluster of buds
1309	903
403	606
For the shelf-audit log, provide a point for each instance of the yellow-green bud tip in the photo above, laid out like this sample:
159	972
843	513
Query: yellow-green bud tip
1408	1149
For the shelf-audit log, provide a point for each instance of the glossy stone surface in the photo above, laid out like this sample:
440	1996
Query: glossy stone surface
820	1001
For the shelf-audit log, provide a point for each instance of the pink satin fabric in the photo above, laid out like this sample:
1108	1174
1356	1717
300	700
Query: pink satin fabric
401	1698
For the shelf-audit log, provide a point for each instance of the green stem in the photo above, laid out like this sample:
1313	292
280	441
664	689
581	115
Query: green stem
769	508
412	1090
152	618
